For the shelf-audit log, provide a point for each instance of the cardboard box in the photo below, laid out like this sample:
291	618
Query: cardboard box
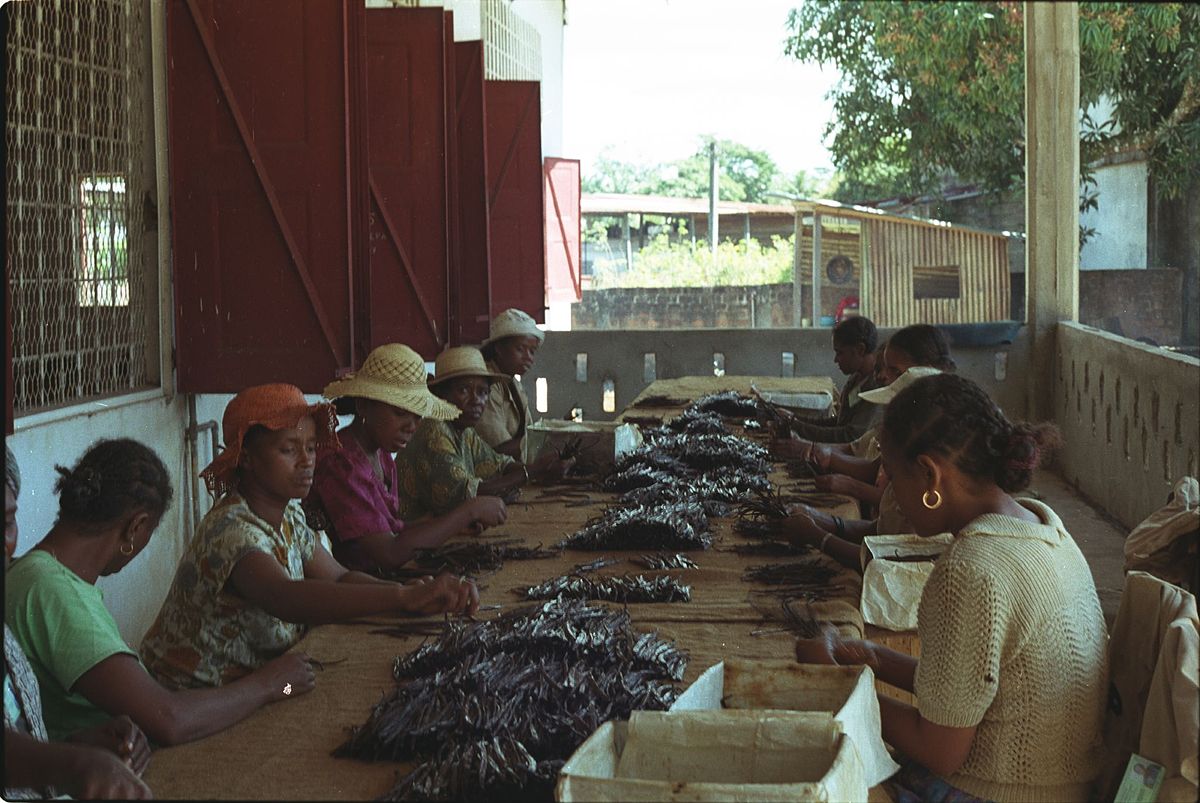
845	692
805	405
602	441
715	755
895	569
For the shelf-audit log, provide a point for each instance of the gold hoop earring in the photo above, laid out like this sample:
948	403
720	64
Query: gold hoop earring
935	504
129	551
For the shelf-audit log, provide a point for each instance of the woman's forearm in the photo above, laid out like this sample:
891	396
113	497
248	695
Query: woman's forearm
855	467
895	668
513	477
318	602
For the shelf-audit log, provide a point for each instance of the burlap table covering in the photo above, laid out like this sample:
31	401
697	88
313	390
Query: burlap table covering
283	751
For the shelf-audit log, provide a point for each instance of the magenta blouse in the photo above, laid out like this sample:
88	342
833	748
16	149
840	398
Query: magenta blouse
348	497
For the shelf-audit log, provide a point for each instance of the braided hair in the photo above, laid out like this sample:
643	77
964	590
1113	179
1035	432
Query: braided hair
951	415
112	478
925	344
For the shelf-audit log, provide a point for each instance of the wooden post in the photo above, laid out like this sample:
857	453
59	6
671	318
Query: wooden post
797	267
816	270
628	242
1051	187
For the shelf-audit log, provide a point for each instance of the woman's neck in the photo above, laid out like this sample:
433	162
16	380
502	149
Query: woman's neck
991	500
360	434
266	505
85	554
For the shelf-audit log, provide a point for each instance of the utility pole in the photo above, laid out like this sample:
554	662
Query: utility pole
713	194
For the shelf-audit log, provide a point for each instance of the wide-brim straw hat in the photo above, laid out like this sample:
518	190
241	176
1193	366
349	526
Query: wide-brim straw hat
461	361
512	323
394	374
275	406
886	394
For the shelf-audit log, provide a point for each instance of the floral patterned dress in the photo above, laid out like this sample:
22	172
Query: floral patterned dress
441	468
206	635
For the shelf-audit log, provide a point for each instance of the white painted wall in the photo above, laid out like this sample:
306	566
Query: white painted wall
135	594
1120	221
547	17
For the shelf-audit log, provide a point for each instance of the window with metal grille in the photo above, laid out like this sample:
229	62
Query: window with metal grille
85	317
512	47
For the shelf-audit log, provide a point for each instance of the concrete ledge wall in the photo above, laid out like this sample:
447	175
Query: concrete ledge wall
724	307
619	356
1130	415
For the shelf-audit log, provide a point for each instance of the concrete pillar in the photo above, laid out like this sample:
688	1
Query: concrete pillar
1051	188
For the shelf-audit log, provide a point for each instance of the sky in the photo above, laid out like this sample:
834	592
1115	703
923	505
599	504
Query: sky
646	78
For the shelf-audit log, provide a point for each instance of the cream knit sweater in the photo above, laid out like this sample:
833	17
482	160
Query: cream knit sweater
1013	642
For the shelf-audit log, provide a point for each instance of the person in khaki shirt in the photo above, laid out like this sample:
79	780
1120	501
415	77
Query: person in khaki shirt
513	342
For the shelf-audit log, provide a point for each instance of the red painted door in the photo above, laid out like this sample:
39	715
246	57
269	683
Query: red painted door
516	226
562	230
474	293
407	166
264	158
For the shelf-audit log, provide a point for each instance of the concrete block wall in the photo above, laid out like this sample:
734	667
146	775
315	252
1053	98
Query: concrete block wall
731	307
1135	303
1130	415
619	356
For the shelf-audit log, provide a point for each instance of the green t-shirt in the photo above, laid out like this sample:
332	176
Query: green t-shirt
65	630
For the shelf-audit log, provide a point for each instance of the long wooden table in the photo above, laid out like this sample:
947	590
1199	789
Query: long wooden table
284	750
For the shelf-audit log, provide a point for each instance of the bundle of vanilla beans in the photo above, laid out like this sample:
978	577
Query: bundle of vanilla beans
676	526
608	588
491	710
472	557
728	403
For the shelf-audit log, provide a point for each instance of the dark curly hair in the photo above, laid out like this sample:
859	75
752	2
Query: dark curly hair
113	478
951	415
855	330
925	344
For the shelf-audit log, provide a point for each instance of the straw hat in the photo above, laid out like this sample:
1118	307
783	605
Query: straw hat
886	394
512	323
276	406
461	361
394	374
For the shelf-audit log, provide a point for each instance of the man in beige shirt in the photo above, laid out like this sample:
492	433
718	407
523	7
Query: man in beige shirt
513	342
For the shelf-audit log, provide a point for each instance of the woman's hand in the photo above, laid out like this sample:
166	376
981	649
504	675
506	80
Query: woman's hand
800	526
486	511
93	774
835	483
548	467
790	448
447	593
288	676
120	737
831	648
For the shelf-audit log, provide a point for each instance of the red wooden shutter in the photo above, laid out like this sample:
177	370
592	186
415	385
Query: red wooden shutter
514	154
264	159
562	230
407	159
474	292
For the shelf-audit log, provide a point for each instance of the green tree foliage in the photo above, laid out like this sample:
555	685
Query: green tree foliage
933	89
663	263
745	174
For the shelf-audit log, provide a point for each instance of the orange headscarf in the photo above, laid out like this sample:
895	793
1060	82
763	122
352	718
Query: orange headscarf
276	406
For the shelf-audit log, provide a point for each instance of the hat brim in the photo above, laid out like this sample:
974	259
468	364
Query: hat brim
219	475
415	399
439	379
538	333
879	395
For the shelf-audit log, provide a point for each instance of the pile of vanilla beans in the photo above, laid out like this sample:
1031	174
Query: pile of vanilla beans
683	474
491	710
